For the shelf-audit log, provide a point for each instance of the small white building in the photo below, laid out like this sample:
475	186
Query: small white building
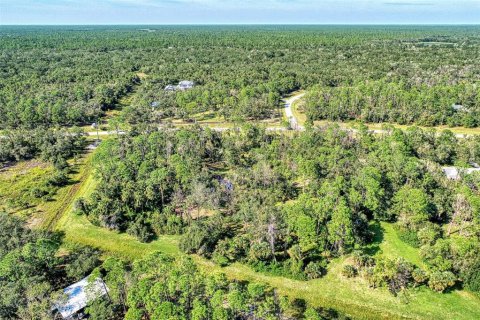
170	88
458	107
79	295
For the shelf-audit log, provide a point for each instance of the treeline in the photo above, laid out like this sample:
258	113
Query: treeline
66	76
402	103
51	145
287	205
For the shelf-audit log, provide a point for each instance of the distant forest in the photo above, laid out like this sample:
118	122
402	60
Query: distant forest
71	75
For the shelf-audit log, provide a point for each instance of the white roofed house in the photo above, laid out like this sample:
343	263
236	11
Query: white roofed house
454	173
78	295
185	84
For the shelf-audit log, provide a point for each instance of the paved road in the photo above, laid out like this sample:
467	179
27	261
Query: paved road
294	124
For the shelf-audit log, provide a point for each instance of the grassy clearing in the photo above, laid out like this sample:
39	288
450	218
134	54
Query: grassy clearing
54	210
392	246
17	183
220	123
456	130
380	126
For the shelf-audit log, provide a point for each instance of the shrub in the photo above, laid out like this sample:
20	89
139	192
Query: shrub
59	178
280	269
440	281
194	238
419	276
349	271
203	235
429	234
219	259
226	251
409	237
140	230
439	256
167	222
315	270
38	193
471	278
260	251
80	206
362	260
395	274
174	225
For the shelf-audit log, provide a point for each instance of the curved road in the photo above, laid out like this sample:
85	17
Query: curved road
294	124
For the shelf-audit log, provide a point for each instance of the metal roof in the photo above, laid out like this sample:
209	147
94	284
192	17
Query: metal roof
79	295
453	173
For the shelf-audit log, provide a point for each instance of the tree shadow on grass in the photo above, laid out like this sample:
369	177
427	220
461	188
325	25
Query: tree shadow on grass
377	238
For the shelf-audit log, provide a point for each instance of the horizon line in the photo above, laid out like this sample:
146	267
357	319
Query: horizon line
243	24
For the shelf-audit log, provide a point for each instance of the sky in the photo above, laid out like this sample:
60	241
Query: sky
239	12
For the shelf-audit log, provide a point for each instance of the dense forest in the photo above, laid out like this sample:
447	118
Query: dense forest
71	75
287	205
403	103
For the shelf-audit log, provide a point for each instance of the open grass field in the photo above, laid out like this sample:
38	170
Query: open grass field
350	296
17	183
208	119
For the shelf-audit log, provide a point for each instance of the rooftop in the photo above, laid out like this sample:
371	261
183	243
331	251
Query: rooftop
453	173
78	296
